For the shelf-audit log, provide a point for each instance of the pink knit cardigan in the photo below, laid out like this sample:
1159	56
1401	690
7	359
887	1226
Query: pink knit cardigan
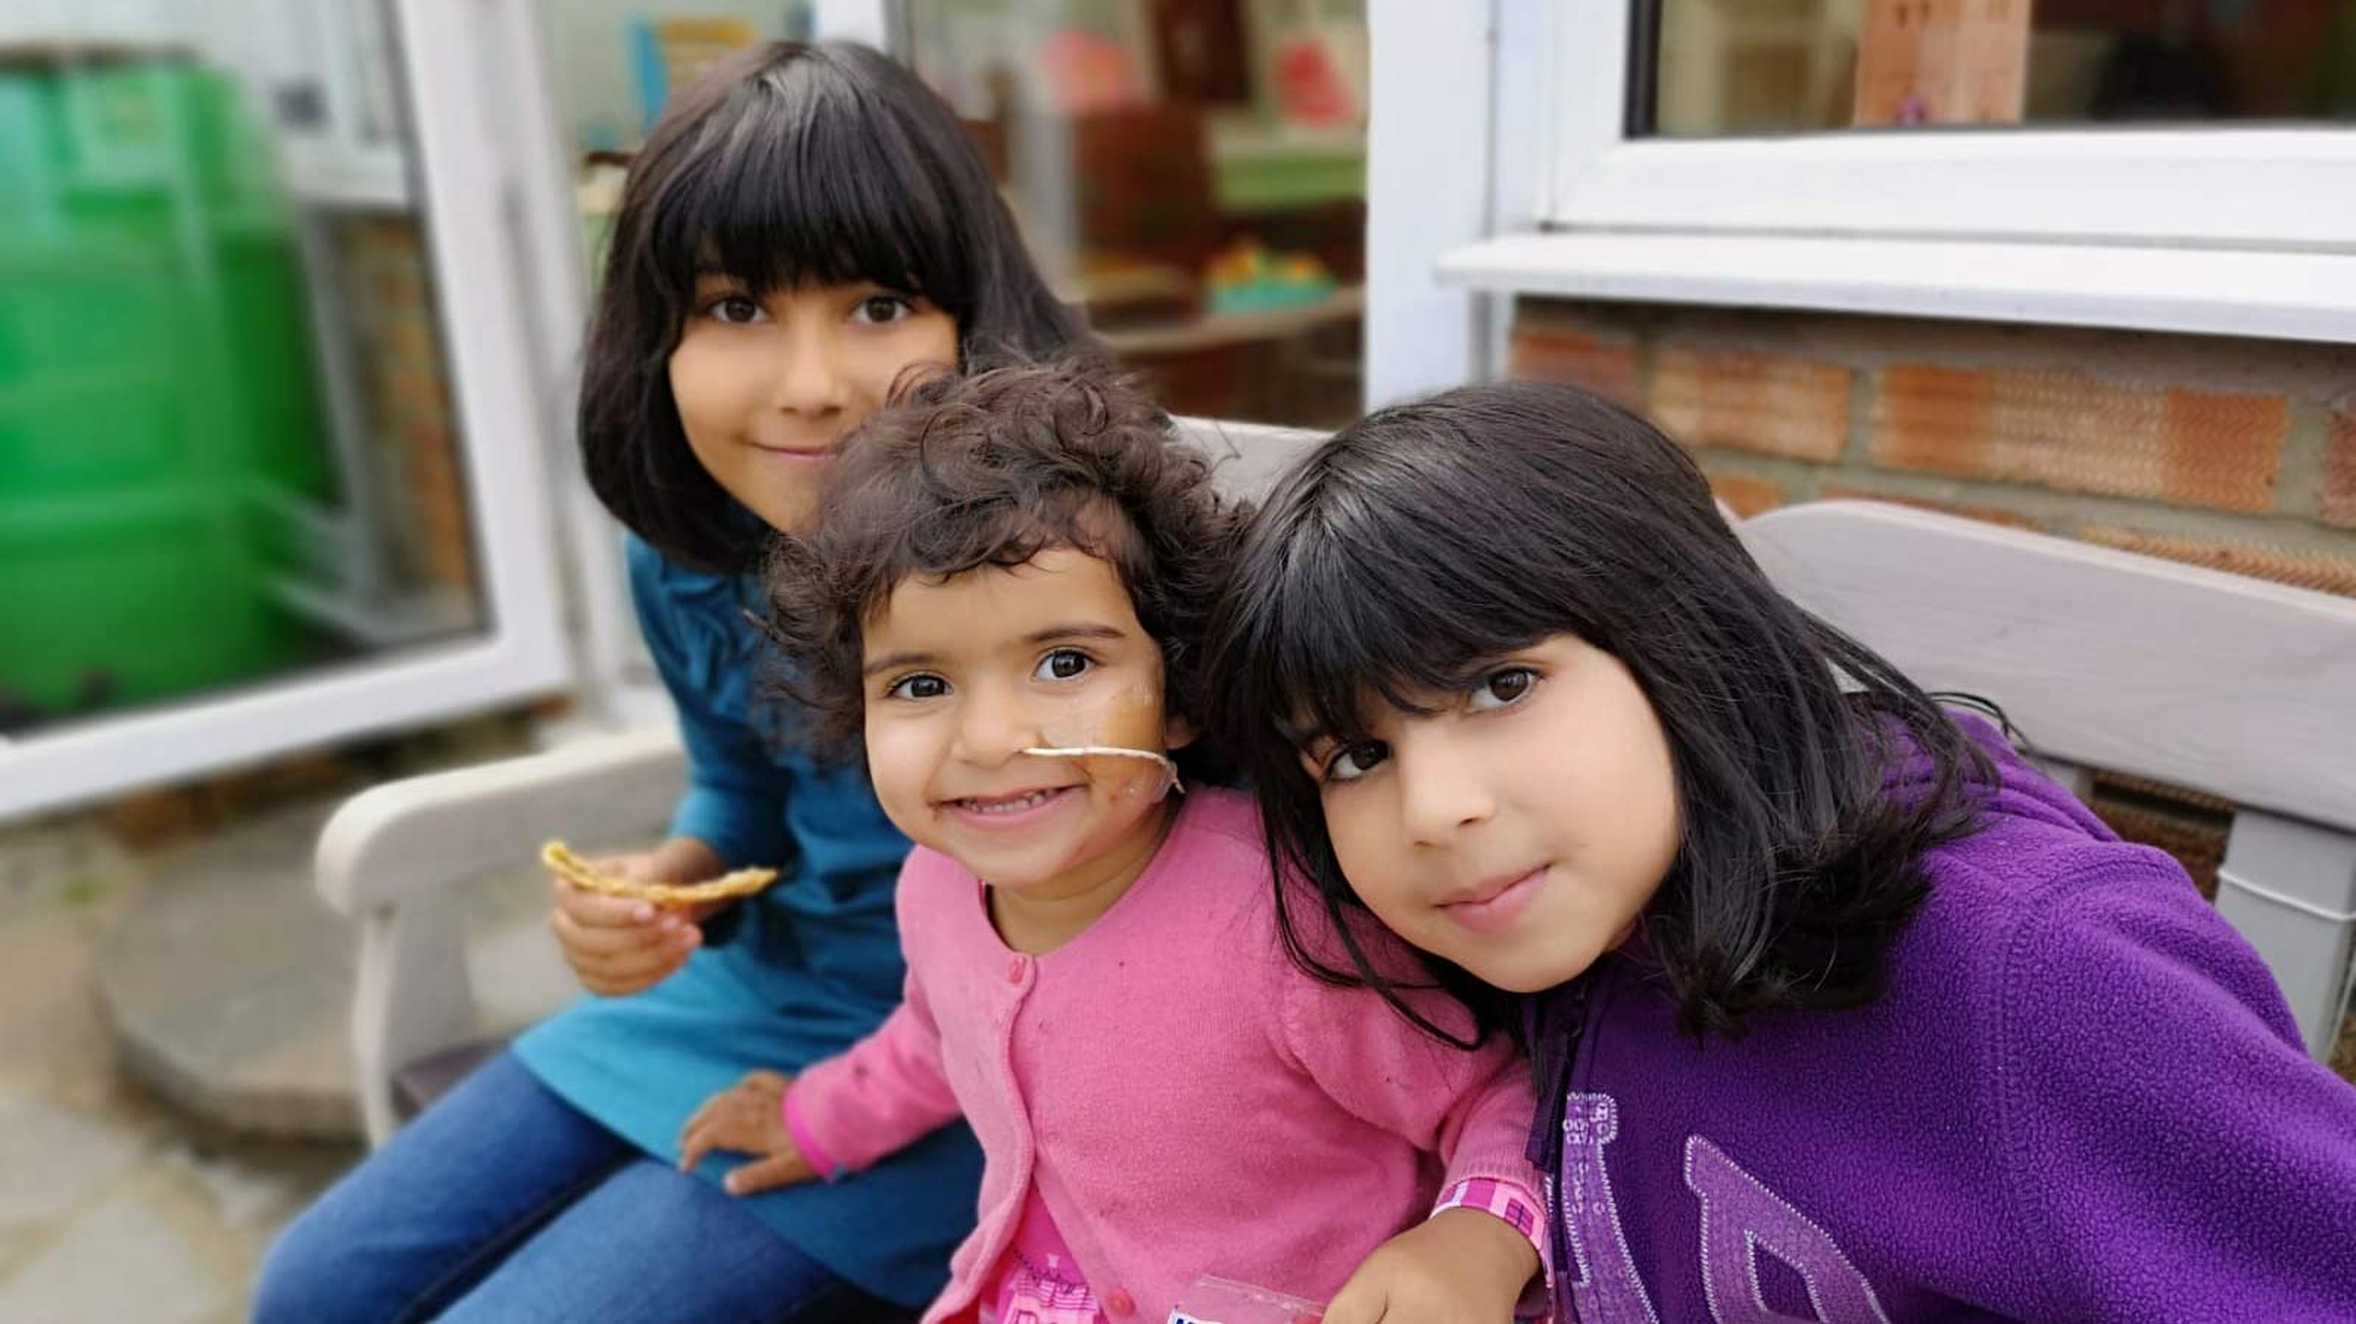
1187	1100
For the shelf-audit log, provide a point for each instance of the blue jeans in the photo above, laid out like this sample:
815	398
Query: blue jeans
502	1202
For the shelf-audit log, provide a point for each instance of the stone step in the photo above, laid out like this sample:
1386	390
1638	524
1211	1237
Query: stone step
228	986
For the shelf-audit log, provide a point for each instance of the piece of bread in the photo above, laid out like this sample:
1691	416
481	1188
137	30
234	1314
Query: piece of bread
573	869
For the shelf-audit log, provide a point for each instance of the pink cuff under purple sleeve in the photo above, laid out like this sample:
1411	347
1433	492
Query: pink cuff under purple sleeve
1525	1213
807	1143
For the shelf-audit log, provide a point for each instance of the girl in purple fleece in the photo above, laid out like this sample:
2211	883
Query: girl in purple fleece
1839	1010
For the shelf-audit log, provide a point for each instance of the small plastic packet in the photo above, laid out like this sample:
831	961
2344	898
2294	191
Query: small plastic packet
1220	1301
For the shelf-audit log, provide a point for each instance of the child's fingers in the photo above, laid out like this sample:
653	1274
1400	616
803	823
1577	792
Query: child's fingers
704	1132
614	976
590	943
615	953
1357	1303
693	1145
592	910
768	1174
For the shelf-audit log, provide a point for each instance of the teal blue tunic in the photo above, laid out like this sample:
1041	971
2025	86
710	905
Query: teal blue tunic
793	975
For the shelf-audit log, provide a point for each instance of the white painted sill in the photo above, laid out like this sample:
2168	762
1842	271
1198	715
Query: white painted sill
2237	292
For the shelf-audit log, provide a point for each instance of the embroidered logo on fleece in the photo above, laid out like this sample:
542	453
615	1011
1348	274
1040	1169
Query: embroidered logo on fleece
1740	1217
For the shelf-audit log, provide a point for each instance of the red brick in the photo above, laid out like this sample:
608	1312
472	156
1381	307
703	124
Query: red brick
2321	571
1546	350
1774	404
1747	495
2224	448
2075	432
1932	418
409	333
2339	468
1968	510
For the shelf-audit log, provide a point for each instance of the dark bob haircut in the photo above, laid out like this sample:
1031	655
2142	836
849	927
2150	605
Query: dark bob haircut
1432	538
786	164
990	469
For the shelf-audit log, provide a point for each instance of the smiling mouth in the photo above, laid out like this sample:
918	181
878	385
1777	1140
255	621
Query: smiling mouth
993	806
1489	890
806	454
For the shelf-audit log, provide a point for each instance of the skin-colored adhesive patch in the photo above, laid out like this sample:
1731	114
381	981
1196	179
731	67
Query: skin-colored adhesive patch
1117	726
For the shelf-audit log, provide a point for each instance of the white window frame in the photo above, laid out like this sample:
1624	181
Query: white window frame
483	279
2212	230
2208	186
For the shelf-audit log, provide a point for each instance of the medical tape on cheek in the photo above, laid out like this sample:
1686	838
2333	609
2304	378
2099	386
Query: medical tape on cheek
1122	714
1169	766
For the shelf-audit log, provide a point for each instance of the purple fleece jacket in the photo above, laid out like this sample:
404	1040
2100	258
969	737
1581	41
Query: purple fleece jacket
2081	1098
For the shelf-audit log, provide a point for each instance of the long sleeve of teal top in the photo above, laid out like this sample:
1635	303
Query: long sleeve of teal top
808	967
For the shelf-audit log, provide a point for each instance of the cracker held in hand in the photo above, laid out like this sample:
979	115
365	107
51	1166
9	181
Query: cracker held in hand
727	887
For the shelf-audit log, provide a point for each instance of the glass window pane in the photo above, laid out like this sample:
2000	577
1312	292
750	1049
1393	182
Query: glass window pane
1192	172
1719	68
613	63
228	449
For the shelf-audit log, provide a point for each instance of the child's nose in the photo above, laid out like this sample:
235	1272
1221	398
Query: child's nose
995	730
1440	795
809	378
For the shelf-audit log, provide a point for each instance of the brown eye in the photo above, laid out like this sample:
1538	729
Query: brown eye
1064	664
1354	761
883	309
918	687
1503	689
734	309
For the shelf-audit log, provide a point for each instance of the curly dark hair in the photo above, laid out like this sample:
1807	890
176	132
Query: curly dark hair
990	469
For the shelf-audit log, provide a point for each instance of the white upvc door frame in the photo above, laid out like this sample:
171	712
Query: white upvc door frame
483	282
1458	131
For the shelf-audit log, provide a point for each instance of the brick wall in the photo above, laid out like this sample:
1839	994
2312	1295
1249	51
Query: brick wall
406	395
2234	454
2239	455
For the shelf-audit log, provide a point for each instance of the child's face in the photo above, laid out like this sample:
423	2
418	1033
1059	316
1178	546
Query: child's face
964	675
768	387
1518	829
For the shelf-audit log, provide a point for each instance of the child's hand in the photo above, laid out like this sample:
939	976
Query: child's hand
748	1118
618	946
1457	1265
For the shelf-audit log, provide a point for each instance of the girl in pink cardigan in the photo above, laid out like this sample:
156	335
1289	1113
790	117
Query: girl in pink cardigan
1005	605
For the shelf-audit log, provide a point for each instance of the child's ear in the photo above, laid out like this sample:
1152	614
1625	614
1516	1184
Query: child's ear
1177	732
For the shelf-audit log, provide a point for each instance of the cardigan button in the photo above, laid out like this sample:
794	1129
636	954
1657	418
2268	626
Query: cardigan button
1119	1303
1017	968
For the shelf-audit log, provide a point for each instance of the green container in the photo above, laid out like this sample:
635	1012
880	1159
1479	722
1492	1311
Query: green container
156	375
133	600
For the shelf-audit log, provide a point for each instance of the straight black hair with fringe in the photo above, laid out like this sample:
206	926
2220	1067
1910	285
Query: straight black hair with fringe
786	164
1431	538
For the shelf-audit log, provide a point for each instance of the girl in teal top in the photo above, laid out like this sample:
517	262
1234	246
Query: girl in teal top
806	228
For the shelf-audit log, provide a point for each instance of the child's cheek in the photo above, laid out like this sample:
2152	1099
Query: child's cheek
900	771
1126	718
